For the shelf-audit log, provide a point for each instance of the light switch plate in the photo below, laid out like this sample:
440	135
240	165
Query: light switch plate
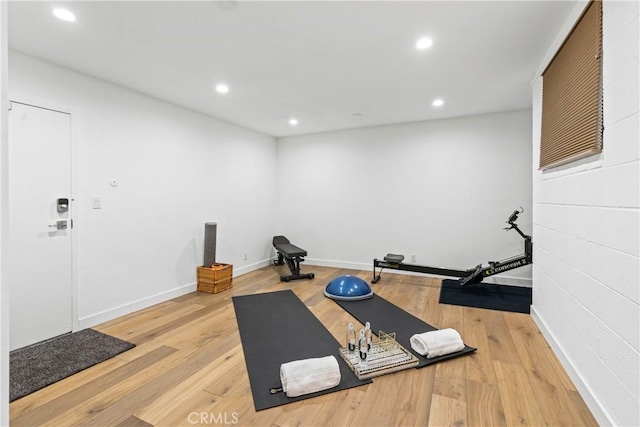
96	202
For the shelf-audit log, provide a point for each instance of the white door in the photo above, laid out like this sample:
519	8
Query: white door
40	272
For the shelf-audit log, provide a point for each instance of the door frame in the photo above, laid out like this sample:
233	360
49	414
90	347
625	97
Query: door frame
47	105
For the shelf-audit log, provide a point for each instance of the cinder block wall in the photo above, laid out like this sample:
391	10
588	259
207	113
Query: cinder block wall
586	235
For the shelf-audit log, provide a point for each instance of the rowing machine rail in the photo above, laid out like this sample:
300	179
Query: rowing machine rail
470	276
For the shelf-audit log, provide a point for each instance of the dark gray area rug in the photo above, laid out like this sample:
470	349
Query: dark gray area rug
37	366
487	295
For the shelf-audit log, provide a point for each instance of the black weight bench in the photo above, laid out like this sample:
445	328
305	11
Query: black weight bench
293	256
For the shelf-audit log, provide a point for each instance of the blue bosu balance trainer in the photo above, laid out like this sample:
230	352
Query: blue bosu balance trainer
348	288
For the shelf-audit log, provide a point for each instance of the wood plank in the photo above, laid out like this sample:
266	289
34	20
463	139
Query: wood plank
447	412
172	326
534	351
204	408
235	400
76	396
295	414
180	394
585	417
139	351
518	399
340	409
450	377
500	340
189	363
484	405
266	417
204	331
134	421
233	372
479	365
414	399
140	316
420	295
137	326
433	308
34	401
154	388
551	386
378	405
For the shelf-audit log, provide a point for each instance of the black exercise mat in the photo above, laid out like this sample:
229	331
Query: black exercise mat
385	316
486	295
37	366
277	328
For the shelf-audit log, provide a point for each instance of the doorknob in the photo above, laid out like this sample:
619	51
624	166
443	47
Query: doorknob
60	225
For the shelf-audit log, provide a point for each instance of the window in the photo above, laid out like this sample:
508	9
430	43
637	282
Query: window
572	94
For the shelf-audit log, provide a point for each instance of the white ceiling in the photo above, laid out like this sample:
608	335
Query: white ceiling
321	62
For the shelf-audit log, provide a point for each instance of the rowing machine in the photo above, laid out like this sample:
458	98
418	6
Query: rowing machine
470	276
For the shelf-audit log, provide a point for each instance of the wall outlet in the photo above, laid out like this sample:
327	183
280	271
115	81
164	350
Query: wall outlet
413	258
245	256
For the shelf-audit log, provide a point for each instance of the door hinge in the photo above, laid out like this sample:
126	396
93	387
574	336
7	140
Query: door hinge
71	222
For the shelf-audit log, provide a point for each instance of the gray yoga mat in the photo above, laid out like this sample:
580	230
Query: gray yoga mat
276	328
383	315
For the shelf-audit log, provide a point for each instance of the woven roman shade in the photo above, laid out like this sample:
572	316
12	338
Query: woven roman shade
572	94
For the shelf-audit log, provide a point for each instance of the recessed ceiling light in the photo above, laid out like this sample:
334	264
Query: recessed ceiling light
222	88
424	43
293	122
227	4
64	14
437	102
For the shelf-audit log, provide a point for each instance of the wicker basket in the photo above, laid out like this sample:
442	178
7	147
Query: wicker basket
214	279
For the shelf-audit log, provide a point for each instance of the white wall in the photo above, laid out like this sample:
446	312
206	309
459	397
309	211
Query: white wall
4	286
441	190
176	169
586	227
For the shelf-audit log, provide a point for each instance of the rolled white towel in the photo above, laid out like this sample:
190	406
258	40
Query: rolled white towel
437	343
309	375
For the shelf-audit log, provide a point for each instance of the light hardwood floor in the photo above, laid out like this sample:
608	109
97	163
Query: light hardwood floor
188	369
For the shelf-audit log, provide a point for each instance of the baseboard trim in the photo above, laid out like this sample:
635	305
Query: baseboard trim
338	264
239	271
123	310
104	316
510	280
592	402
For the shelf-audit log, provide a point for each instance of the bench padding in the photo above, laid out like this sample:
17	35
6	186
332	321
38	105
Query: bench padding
289	250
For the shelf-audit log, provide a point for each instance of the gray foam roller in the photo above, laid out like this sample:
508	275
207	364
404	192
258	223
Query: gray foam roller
210	235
